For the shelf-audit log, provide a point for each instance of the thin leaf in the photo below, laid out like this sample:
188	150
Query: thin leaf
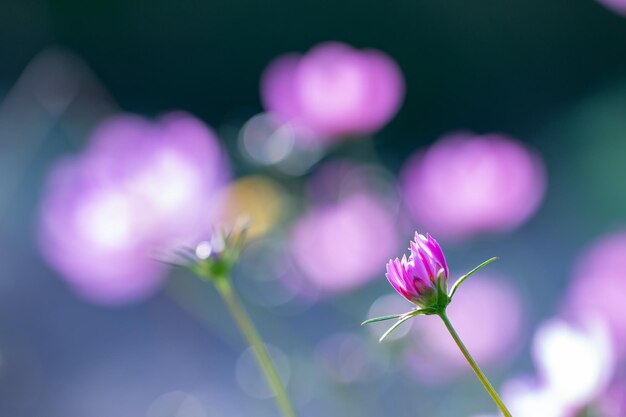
172	264
186	255
464	277
382	318
397	324
191	251
394	327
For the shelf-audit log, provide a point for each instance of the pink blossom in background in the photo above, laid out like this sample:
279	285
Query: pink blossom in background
599	286
488	315
467	184
575	360
138	189
349	231
527	397
334	90
339	178
574	365
618	6
343	245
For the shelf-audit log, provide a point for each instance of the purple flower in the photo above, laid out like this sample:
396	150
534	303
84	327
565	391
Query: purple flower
334	90
417	277
138	190
467	184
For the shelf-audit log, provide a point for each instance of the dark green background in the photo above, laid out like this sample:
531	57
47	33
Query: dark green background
485	65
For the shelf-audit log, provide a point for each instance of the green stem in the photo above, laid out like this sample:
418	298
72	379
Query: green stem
254	340
481	376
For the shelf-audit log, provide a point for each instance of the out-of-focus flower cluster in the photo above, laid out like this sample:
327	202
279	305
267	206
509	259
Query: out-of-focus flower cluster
141	188
138	190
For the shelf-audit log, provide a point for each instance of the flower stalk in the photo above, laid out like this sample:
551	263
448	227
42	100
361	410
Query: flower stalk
479	373
212	262
250	333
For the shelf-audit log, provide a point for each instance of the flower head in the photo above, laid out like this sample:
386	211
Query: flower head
213	259
423	280
423	276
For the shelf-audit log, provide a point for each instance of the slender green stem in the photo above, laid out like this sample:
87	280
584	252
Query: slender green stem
254	340
481	376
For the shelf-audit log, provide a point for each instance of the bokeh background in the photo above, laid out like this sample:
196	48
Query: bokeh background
506	136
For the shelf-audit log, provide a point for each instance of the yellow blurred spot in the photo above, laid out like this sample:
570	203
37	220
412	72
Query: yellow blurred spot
257	197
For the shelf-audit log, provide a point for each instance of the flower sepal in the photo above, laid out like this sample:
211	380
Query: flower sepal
442	299
436	303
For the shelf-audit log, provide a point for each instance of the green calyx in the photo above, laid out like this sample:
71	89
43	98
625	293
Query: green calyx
438	299
211	269
212	261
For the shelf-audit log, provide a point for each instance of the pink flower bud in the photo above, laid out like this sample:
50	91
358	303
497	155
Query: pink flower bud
416	278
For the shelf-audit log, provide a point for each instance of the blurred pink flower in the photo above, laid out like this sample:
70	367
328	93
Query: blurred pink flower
527	397
618	6
343	245
575	361
334	90
416	278
488	315
574	364
466	184
139	188
599	286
